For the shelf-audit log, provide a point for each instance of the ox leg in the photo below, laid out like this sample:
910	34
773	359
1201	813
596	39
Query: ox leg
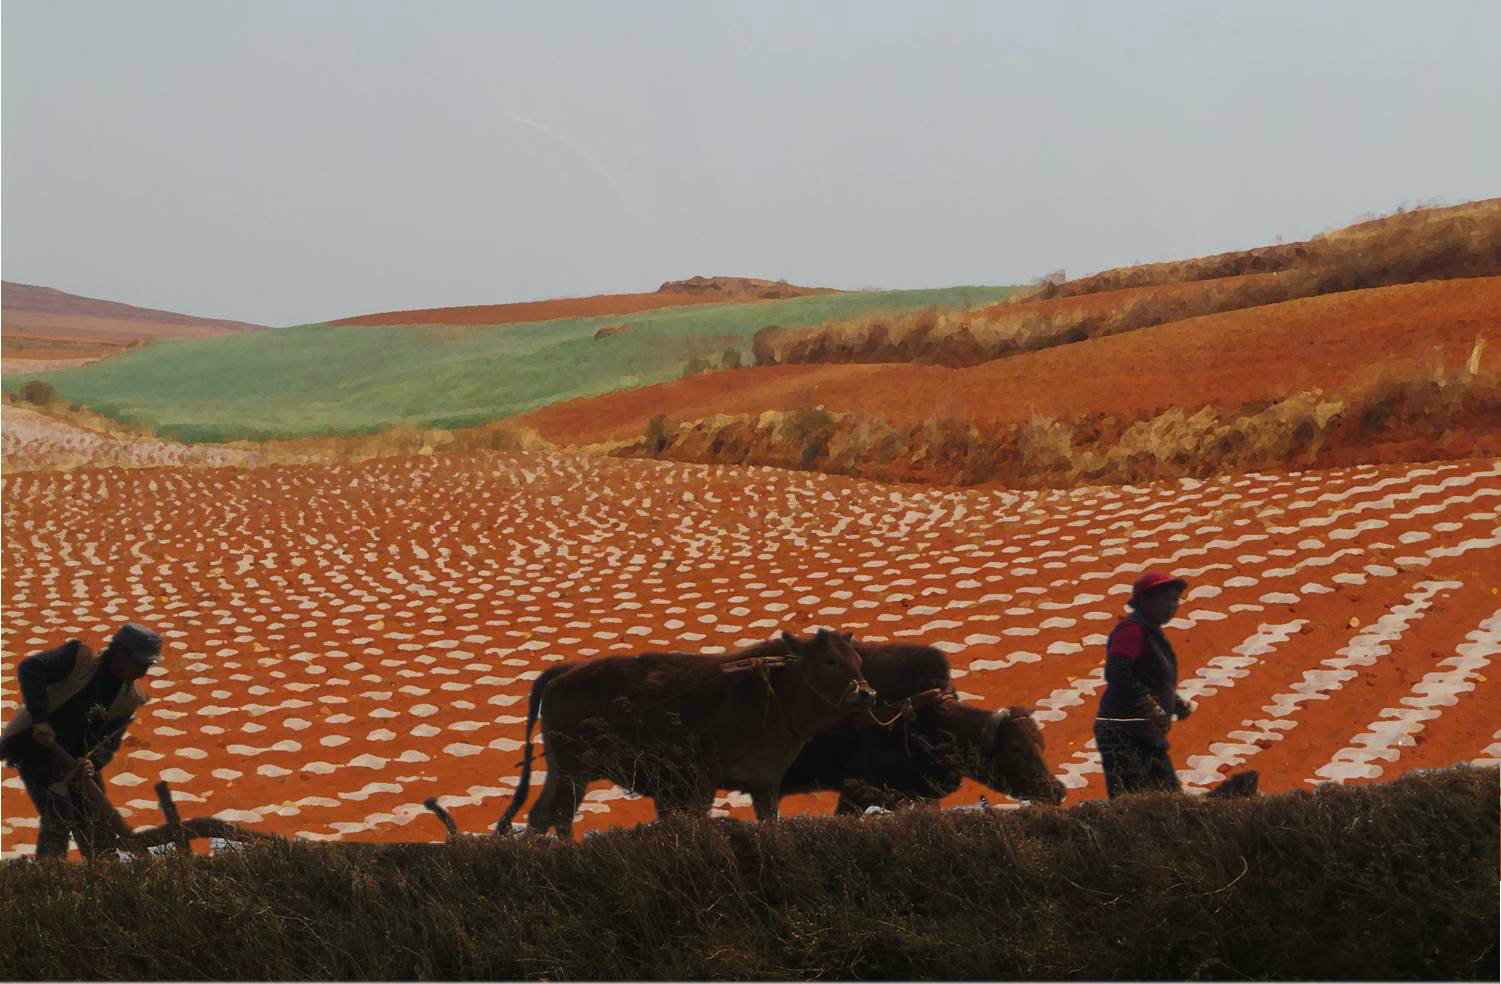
767	803
669	803
847	806
697	802
570	794
856	797
552	805
539	817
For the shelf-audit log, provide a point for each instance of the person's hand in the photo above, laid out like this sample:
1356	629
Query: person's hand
1184	709
44	735
1161	723
90	770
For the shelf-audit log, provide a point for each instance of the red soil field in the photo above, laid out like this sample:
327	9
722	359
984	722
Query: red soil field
525	311
1223	360
344	641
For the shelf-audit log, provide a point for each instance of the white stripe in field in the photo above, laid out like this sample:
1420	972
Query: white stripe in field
1491	754
1393	729
1239	581
1371	643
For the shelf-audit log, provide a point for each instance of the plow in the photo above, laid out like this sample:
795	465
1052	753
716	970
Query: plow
101	829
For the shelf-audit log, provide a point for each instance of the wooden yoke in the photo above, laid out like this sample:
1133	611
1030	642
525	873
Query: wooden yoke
756	663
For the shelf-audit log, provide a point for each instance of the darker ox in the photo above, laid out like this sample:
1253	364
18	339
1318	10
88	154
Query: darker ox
678	727
927	752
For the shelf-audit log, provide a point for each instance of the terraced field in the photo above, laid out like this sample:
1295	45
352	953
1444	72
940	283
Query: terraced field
346	641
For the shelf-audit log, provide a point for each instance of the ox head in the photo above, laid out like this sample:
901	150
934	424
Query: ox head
831	666
1013	762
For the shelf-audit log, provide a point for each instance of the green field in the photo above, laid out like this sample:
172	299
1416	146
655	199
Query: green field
338	380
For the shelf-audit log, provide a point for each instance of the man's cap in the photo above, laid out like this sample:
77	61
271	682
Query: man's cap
1152	580
138	642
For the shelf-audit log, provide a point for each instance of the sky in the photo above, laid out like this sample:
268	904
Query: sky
292	162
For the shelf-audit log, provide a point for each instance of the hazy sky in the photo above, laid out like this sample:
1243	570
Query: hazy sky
285	162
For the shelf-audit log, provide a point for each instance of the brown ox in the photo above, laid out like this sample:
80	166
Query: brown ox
927	752
679	726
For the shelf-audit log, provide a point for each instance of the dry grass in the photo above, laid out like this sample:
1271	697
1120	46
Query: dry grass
1376	882
1417	416
398	440
1464	241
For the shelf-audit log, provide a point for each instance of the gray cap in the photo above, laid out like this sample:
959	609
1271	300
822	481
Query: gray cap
139	642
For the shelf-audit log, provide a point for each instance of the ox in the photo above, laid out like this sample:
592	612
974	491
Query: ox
677	727
930	749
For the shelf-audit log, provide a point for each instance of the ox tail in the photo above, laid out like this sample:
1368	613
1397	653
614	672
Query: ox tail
534	705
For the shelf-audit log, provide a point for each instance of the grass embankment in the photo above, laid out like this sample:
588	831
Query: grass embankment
1418	244
1374	882
1395	418
1439	244
340	380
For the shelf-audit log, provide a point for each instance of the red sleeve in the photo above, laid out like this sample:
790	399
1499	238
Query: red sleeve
1129	640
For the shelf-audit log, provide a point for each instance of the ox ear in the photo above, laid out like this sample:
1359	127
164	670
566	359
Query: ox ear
848	637
792	642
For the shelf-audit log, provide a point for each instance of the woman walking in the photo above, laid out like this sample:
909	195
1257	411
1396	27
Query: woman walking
1140	700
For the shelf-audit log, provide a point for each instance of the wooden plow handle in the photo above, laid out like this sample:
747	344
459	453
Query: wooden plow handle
110	830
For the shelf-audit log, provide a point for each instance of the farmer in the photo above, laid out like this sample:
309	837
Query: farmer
80	703
1140	699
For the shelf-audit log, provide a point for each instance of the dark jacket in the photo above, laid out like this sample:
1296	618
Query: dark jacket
1141	673
79	723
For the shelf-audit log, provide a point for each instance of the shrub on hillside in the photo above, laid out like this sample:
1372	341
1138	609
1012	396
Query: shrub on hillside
39	393
696	364
1450	410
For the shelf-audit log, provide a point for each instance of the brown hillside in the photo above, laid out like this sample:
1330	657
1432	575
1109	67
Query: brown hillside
1234	363
697	290
1438	244
41	313
1418	238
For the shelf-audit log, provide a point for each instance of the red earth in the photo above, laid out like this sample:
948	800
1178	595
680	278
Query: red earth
674	293
525	311
344	641
1223	360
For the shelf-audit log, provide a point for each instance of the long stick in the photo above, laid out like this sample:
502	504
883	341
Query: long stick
174	822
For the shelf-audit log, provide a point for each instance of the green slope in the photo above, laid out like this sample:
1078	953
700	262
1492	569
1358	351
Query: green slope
324	379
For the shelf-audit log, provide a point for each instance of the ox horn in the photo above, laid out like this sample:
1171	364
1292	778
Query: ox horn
993	725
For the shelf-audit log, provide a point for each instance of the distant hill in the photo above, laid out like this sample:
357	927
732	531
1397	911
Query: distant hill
42	313
343	379
674	293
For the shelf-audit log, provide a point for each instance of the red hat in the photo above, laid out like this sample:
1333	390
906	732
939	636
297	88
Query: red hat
1155	579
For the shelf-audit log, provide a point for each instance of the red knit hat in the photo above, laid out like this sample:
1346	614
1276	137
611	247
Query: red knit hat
1155	579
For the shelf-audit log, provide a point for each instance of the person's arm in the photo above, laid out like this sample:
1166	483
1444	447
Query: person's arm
38	672
1126	648
114	731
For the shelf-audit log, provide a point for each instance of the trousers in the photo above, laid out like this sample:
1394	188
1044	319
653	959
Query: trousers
62	814
1133	761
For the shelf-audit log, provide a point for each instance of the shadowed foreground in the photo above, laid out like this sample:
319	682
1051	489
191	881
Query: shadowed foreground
1382	881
